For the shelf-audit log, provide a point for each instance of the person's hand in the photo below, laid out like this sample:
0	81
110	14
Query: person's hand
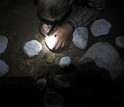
45	29
62	36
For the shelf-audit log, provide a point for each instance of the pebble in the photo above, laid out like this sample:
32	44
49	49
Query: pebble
53	99
80	37
32	48
120	41
4	68
65	61
3	43
100	27
61	82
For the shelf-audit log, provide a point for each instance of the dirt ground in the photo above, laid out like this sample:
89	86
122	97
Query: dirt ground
19	22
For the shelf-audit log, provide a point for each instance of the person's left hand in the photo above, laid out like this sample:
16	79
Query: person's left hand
62	36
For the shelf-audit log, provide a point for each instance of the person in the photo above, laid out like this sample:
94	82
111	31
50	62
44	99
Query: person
68	14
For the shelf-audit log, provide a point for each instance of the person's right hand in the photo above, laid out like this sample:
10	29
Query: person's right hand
45	29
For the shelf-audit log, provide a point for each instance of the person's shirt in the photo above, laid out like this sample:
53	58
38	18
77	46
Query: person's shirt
85	11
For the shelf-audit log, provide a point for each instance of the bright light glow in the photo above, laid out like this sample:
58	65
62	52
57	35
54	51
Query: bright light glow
50	41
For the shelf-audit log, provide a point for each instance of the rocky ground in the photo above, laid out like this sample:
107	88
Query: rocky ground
19	23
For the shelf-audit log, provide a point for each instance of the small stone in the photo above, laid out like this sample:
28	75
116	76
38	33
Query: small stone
100	27
32	48
41	83
80	37
4	68
3	44
65	61
53	99
61	82
120	41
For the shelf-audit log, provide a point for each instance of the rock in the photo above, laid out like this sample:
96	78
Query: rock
53	99
80	37
120	41
3	44
4	68
100	27
41	83
32	48
61	82
105	56
50	41
65	61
